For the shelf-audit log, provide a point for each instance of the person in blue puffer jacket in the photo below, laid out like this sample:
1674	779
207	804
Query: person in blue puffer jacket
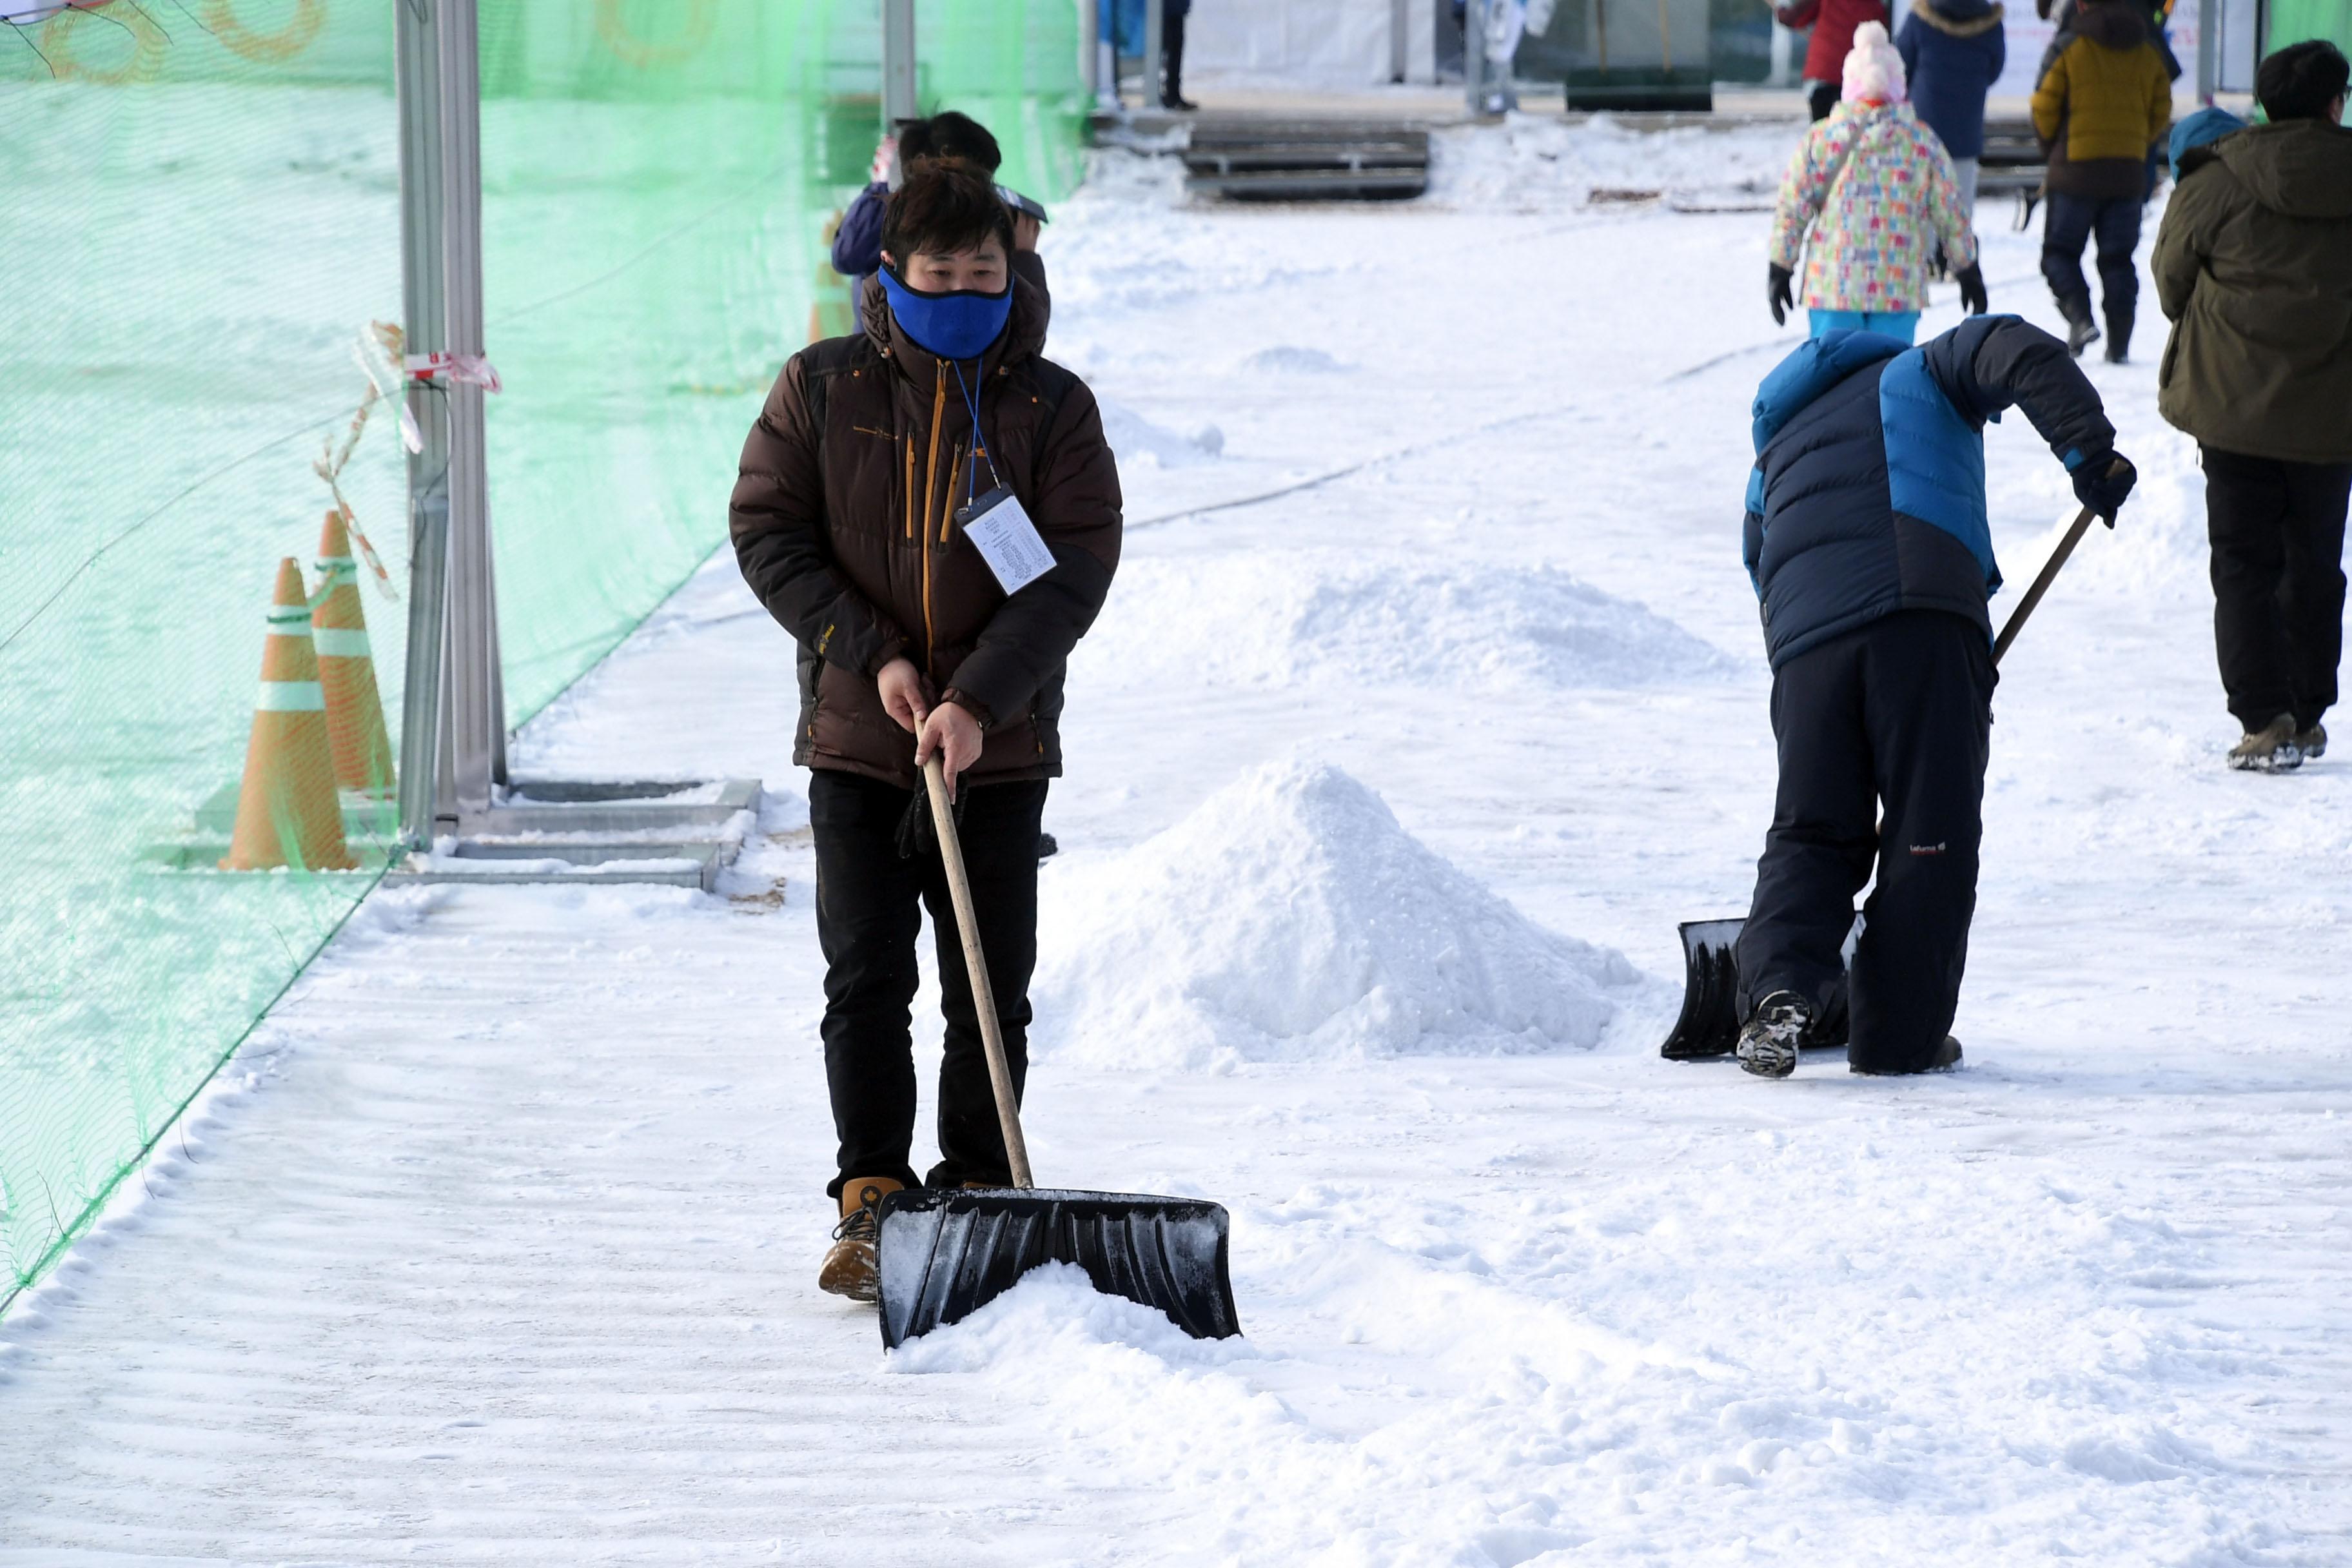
1953	51
1867	541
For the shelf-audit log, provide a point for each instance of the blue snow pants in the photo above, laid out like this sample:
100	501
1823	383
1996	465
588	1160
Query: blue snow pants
1901	324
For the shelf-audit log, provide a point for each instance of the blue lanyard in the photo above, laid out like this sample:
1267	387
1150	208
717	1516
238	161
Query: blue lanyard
971	463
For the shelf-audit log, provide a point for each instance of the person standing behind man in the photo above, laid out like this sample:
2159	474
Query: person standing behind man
851	518
1866	194
1953	51
2254	265
1833	22
857	240
2102	110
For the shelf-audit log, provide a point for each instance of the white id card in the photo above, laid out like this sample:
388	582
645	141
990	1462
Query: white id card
1007	540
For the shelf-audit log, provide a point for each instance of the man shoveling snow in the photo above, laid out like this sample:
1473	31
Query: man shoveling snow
1868	543
930	509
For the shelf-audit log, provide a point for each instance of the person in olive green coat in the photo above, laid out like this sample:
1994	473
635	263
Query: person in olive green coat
2254	265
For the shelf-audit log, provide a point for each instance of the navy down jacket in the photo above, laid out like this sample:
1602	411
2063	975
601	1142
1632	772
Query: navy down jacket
1868	493
1953	51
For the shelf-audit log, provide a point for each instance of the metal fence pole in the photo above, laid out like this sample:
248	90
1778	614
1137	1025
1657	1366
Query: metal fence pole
419	76
473	727
898	101
1400	40
2208	42
1089	64
1474	56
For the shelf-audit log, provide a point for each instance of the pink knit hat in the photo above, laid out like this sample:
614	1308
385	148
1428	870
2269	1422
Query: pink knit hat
1873	71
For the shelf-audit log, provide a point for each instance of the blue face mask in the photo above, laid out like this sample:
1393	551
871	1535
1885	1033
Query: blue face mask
957	325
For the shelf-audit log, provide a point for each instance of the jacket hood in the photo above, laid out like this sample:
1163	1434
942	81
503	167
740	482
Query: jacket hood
2200	130
2302	168
2113	24
1960	18
1024	327
1816	365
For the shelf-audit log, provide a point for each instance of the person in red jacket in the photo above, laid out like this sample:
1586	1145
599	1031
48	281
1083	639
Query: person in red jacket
1833	22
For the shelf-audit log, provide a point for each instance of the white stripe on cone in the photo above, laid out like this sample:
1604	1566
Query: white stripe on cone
291	697
341	642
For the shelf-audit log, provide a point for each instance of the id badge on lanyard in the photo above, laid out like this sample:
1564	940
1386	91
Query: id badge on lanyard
998	527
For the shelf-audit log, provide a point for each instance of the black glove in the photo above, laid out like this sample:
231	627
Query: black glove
2103	482
1972	290
1777	292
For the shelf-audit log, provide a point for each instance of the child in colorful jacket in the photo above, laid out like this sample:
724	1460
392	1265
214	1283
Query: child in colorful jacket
1865	200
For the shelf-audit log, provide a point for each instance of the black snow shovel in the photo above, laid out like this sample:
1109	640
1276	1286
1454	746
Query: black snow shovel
944	1253
1709	1023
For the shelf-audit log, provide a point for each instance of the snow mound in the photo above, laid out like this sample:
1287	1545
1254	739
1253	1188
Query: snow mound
1261	619
1540	163
1288	359
1135	439
1292	917
1055	1309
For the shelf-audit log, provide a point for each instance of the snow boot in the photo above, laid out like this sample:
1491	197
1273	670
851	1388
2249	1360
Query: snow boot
848	1268
1768	1041
2273	749
2080	331
1946	1058
2120	330
2313	743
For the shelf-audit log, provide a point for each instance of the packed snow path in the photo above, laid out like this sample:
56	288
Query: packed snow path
496	1246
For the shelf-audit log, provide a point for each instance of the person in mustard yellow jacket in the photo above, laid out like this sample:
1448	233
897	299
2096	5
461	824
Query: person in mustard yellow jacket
2102	109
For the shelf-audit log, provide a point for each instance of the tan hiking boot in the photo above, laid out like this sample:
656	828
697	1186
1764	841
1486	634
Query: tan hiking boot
848	1268
2269	750
2313	743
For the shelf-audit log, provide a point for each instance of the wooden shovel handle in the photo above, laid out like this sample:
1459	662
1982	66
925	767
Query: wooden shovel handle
983	999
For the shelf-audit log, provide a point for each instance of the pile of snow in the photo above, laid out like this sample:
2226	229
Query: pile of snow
1135	439
1248	618
1291	918
1541	164
1289	359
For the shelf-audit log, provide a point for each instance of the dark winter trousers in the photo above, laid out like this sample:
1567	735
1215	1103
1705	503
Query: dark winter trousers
1172	39
2277	530
1884	736
869	903
1820	97
2074	222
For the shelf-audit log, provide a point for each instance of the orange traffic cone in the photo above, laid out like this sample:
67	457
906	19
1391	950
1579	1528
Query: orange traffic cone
355	729
287	813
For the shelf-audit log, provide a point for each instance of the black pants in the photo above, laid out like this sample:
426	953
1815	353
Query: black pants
1894	715
1822	98
2072	222
1172	39
2277	531
869	903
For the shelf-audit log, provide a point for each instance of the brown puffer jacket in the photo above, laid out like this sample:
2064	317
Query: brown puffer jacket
2103	104
2254	265
843	519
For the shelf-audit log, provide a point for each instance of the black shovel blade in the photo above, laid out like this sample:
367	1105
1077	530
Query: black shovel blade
944	1253
1709	1024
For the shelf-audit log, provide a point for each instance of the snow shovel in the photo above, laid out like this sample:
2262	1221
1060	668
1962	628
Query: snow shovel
1709	1022
942	1254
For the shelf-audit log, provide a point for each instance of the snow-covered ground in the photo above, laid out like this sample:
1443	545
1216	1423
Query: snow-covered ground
1384	798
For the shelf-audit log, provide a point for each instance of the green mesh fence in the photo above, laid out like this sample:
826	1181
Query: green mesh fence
202	221
2292	21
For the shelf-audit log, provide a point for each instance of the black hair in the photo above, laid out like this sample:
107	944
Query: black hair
946	205
950	135
2302	81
